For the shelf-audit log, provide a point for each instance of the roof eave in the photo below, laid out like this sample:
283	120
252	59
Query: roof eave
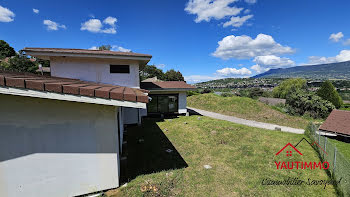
69	97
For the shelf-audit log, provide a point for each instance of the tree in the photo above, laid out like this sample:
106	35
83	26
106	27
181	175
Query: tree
302	103
19	64
105	47
172	75
6	50
329	93
150	71
289	86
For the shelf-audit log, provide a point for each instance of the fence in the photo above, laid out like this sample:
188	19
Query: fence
339	165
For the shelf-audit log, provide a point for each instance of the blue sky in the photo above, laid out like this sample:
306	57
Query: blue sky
204	39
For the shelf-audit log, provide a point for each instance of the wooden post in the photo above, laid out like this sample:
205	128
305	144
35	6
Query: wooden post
335	159
325	146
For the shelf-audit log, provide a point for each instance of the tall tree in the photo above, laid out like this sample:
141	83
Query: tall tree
150	71
172	75
289	86
329	93
6	50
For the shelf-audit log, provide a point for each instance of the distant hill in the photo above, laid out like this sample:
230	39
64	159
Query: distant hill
339	70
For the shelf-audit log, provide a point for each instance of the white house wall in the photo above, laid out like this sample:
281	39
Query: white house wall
56	148
96	70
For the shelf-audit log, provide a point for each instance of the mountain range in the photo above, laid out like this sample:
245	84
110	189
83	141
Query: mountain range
340	70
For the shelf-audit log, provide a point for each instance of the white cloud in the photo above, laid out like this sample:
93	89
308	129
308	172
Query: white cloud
343	56
237	21
93	48
209	9
160	66
244	47
110	21
53	26
96	26
347	42
251	1
272	61
336	37
228	72
259	69
199	78
6	15
246	11
36	11
119	48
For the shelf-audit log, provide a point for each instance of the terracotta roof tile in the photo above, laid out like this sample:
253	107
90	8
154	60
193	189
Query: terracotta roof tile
71	86
338	121
85	51
166	85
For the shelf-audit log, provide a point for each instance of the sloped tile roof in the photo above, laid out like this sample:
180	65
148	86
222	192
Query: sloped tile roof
72	86
85	51
338	121
166	85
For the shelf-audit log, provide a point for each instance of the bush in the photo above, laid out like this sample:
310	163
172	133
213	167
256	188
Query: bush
288	86
206	91
226	94
329	93
191	93
308	104
19	64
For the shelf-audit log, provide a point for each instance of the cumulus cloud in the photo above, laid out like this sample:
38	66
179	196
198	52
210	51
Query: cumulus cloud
251	1
53	26
93	48
343	56
246	11
36	11
259	69
244	47
209	9
272	61
230	72
6	15
119	48
199	78
336	37
96	26
237	21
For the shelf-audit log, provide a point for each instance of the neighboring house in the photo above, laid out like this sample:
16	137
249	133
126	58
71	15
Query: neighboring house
60	136
166	96
338	123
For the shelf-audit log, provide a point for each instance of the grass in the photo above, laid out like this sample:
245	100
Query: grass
345	106
247	108
240	157
342	147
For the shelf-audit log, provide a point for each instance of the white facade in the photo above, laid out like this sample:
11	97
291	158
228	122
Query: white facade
95	70
57	148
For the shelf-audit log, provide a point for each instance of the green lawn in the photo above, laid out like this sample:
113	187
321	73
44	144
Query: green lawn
244	107
343	148
240	157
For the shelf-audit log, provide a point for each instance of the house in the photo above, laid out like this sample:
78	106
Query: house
61	135
101	66
337	123
166	96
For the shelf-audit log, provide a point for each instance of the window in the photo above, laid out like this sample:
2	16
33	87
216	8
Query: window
119	69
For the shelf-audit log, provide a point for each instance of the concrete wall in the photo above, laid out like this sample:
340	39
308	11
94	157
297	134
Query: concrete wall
96	70
56	148
131	115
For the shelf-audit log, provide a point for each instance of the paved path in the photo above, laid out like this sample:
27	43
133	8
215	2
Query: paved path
250	123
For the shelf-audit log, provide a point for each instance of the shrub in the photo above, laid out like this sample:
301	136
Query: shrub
226	94
309	104
288	86
329	93
206	91
191	93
